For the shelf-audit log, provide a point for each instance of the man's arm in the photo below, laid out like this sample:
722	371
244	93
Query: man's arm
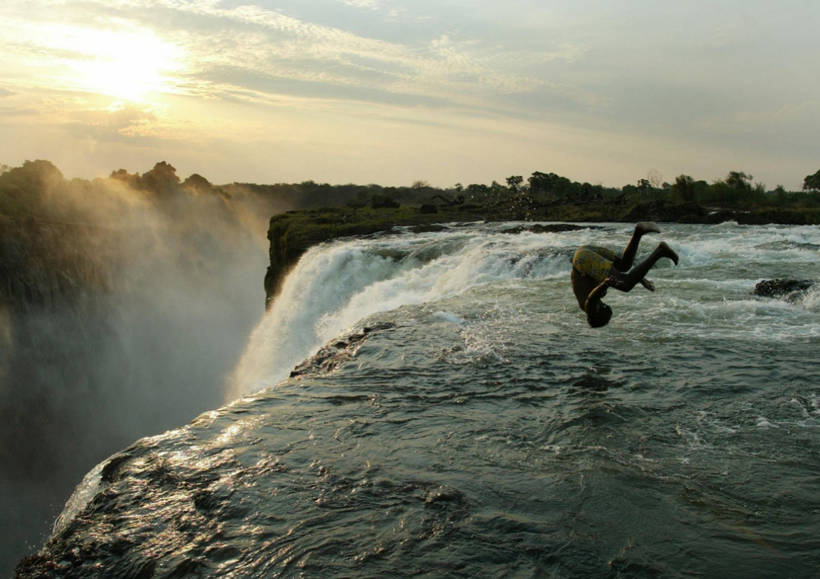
597	293
620	281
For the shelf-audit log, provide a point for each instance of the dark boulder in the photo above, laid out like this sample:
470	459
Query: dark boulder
783	288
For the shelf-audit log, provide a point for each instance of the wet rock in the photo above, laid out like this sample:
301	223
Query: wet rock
336	353
547	228
112	469
789	289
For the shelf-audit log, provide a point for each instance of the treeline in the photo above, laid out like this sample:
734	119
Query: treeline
34	189
737	190
60	237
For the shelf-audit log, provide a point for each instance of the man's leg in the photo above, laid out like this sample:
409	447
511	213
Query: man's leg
626	281
628	256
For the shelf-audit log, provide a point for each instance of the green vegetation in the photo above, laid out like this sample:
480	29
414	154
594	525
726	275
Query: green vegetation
811	182
39	190
40	208
60	238
544	197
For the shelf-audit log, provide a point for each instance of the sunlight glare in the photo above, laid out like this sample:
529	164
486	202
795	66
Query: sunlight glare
128	65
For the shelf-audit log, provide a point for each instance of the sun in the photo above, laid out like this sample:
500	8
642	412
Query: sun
129	65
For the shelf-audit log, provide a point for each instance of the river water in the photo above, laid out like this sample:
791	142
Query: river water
461	419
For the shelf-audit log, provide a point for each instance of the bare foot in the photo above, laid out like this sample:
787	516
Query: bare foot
668	252
648	284
646	227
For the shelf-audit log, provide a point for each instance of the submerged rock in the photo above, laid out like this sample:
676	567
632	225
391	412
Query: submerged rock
335	354
547	228
789	289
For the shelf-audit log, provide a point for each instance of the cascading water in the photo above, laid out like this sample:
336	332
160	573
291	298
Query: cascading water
481	428
336	285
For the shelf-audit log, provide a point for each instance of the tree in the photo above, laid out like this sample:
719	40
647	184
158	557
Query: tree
33	181
514	182
812	182
162	180
739	181
684	188
197	184
549	185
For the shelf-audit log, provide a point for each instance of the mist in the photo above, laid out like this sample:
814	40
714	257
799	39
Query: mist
128	302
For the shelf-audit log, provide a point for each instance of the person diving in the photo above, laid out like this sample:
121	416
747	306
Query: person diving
594	269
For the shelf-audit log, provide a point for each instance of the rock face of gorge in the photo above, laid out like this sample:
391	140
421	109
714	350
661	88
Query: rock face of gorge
55	329
49	265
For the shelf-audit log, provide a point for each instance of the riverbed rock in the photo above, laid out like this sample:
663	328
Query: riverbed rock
789	289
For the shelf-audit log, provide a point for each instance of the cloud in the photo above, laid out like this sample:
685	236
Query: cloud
371	4
129	125
115	123
254	53
266	42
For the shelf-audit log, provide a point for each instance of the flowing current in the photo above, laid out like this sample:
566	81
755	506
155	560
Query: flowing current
435	404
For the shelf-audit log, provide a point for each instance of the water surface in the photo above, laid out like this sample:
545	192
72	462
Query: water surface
463	420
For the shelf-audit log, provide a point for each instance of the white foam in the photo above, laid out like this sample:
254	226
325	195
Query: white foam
448	317
763	422
335	286
82	495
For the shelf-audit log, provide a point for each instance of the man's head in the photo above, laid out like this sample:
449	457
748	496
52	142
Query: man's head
598	315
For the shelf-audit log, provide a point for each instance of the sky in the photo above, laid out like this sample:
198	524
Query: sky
398	91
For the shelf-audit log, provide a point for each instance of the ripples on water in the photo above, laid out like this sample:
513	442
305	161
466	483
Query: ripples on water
479	428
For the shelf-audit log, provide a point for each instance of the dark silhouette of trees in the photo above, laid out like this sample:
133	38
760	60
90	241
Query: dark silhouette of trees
130	179
812	182
550	186
514	182
37	185
24	189
735	189
197	184
684	189
739	182
161	180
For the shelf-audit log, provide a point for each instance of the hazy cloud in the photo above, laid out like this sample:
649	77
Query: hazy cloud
122	122
371	4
